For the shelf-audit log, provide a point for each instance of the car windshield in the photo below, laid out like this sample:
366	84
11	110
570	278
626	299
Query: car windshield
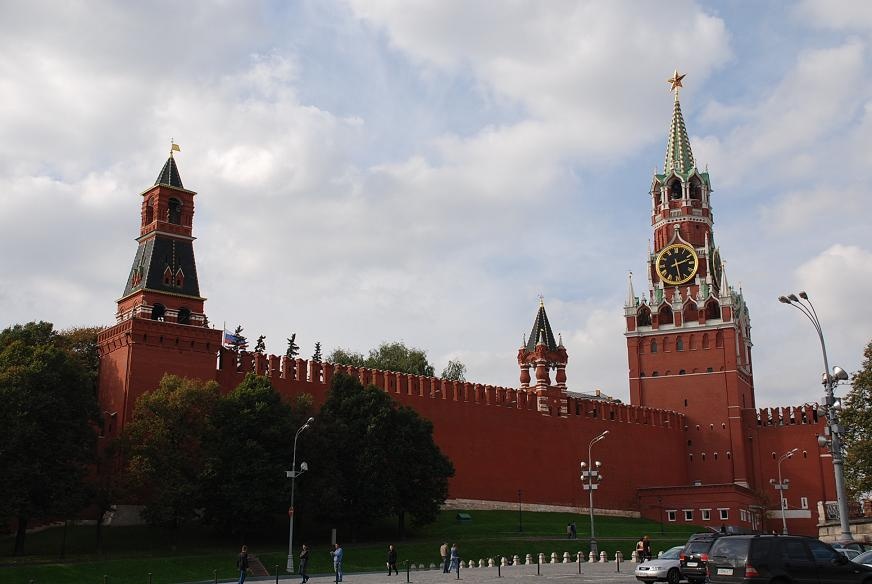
864	558
672	553
698	547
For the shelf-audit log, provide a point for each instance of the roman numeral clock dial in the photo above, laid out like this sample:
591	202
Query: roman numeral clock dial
677	264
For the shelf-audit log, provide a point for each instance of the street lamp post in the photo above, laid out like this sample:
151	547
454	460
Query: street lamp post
831	410
781	486
589	472
293	474
520	523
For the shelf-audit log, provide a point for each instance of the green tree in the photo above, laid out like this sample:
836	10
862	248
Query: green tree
340	356
454	371
375	458
856	417
247	454
316	356
238	342
47	421
260	345
293	348
163	446
394	356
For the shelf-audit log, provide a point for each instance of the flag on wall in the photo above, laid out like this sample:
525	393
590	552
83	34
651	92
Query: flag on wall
234	340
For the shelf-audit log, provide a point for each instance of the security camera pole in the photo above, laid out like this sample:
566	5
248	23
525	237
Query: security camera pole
830	409
589	472
781	486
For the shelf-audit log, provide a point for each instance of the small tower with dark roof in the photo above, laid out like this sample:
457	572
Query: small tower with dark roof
160	321
541	352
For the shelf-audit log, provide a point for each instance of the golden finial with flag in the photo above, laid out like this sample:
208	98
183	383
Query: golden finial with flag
174	147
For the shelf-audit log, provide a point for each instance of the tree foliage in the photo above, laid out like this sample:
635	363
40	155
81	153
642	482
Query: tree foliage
164	448
47	421
260	345
247	453
394	356
316	356
375	458
293	348
856	417
454	371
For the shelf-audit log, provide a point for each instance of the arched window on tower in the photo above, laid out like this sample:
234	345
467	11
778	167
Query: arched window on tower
184	316
712	310
705	341
653	346
675	190
158	312
174	213
679	344
719	339
695	189
149	212
656	192
692	344
644	316
665	315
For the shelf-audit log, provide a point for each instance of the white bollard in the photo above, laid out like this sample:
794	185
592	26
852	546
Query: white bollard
490	562
566	559
541	558
553	557
619	556
660	554
603	557
591	557
529	561
634	557
504	561
515	560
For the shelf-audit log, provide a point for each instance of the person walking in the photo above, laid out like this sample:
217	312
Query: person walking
573	532
640	550
242	564
646	548
337	554
304	563
455	558
443	551
392	560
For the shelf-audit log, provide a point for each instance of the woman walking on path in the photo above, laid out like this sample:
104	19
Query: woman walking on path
242	563
337	554
304	562
392	560
455	558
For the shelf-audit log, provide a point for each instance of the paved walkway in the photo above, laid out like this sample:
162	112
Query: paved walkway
590	572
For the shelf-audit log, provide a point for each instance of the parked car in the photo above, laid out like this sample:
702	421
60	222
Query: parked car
847	552
854	545
693	558
753	559
864	558
662	569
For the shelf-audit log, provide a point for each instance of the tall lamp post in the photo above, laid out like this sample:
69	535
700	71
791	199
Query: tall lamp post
589	473
293	474
520	523
831	410
781	486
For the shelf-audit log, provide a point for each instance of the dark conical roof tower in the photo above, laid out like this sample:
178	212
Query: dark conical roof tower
541	331
169	174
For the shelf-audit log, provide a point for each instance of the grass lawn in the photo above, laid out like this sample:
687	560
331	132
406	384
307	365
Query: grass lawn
195	553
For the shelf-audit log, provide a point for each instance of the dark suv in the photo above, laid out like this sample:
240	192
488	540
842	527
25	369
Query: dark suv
692	561
761	559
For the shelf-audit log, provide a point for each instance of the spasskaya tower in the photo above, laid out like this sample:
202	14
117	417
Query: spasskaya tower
688	334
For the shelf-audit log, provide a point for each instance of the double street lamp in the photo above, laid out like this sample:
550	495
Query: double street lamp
830	409
293	474
781	486
590	473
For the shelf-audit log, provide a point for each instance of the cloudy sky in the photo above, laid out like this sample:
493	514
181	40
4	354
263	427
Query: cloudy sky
423	170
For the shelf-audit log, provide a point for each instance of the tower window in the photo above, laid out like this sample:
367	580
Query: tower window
653	346
675	190
184	316
149	212
644	318
158	311
665	315
681	372
655	374
712	311
174	213
679	344
695	189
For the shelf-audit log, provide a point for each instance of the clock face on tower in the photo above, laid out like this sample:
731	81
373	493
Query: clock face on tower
677	264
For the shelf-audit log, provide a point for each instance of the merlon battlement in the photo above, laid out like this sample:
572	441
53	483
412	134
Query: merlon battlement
788	415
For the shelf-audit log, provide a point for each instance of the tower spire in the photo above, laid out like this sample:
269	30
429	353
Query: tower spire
631	294
679	156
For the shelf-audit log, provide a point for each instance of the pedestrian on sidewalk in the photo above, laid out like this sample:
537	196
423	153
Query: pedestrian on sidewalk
304	563
443	551
337	554
455	558
392	560
573	532
242	564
